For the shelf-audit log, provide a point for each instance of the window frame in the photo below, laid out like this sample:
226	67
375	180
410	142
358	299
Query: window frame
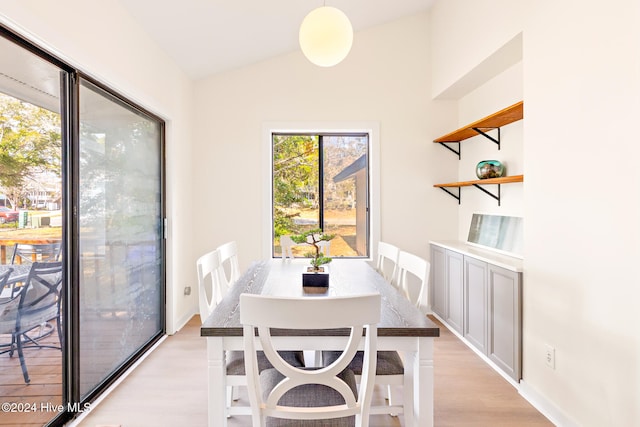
320	128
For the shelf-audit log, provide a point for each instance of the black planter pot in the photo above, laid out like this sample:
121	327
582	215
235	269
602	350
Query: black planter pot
315	279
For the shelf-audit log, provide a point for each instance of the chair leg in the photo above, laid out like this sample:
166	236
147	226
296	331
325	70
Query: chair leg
59	333
392	397
23	364
13	345
235	393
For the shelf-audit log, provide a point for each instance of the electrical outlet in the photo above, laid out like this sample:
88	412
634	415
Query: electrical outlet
187	290
550	356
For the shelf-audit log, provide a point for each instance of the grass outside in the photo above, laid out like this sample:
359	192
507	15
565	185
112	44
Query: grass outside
11	230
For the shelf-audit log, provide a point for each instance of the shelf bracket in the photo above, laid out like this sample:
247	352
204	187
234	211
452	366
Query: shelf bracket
457	197
497	197
451	149
489	137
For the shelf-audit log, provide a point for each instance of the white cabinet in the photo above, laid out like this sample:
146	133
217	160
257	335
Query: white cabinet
479	295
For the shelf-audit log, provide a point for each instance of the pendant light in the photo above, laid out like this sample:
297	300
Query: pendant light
326	36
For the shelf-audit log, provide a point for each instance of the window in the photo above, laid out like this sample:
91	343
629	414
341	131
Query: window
321	180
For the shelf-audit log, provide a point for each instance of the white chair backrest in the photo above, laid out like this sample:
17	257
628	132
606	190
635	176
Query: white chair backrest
412	265
230	270
210	289
287	244
359	313
325	245
388	261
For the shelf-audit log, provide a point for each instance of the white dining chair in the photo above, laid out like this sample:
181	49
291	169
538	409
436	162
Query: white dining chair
210	287
287	244
286	395
211	290
413	279
390	367
387	261
229	267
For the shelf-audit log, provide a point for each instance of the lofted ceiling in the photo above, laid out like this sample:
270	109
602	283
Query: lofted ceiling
210	36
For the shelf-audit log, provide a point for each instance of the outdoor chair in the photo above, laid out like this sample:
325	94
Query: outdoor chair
290	396
44	252
4	277
37	304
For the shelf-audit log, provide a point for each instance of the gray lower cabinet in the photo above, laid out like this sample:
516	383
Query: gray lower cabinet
482	302
475	303
455	290
505	320
438	281
447	281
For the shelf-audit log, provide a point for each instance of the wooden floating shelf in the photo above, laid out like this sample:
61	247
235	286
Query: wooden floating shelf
501	180
478	184
501	118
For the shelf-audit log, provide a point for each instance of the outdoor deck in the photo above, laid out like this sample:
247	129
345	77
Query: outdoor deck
35	401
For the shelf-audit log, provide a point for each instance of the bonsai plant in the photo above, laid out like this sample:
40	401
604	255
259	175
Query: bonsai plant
313	238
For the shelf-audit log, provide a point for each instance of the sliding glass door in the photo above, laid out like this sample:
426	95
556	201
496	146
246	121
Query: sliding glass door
81	169
32	221
120	220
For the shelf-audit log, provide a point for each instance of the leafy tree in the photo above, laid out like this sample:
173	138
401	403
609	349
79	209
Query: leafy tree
30	143
295	178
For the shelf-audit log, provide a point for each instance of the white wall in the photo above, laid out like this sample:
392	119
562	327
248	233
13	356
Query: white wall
385	79
581	202
500	92
113	50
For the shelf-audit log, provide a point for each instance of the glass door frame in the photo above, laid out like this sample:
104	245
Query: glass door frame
74	226
70	133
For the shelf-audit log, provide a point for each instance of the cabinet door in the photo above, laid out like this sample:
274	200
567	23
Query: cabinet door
438	282
475	303
455	289
505	320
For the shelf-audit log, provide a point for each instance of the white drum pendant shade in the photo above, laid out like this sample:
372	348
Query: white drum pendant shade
326	36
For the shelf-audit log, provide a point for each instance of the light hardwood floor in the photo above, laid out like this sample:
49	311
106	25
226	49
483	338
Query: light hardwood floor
169	388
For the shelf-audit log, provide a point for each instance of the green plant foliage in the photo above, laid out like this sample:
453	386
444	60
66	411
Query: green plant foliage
295	179
30	143
313	237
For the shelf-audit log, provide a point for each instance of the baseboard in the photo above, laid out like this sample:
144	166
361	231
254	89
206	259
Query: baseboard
476	351
528	393
544	406
183	321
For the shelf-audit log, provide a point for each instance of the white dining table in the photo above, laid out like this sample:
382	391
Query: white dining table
402	327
